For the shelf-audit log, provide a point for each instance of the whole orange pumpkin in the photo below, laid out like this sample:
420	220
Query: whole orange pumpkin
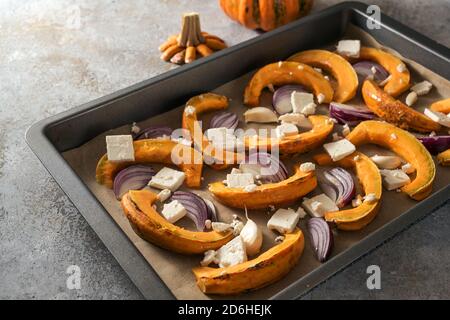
265	14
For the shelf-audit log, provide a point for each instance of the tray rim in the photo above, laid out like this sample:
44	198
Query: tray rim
132	262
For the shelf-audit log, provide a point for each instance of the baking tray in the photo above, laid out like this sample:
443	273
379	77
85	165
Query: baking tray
51	137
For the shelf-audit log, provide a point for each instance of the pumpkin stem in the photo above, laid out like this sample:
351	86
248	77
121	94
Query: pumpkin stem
191	33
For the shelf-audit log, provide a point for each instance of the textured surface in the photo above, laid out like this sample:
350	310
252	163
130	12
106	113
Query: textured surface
51	61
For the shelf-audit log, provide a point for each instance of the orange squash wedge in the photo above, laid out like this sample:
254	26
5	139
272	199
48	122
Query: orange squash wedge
400	77
441	106
266	269
152	227
406	146
443	158
155	151
219	159
299	143
286	72
276	194
337	66
395	111
370	180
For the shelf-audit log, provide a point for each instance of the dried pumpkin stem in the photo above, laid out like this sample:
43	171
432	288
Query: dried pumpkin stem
191	34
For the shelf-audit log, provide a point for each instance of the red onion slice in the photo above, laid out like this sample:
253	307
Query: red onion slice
153	132
364	70
436	144
272	169
281	99
321	238
338	185
224	120
196	208
134	177
350	115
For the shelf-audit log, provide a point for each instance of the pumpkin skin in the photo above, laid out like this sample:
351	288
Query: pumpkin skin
443	158
265	14
266	269
276	194
339	68
287	72
370	179
406	146
155	151
152	227
395	111
441	106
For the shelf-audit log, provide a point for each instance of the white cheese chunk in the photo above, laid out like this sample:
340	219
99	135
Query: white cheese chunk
285	130
339	149
408	168
210	256
422	88
218	133
223	138
120	148
349	48
252	236
319	205
307	167
232	253
370	198
164	195
250	188
394	179
167	178
295	118
221	227
411	98
283	220
173	211
235	171
260	115
240	180
386	162
303	103
189	110
301	213
438	117
252	168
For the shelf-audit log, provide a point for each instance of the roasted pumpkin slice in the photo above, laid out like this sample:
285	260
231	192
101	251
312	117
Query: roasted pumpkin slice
400	77
218	158
444	158
155	151
286	72
370	180
299	143
394	111
266	269
277	194
152	227
441	106
406	146
338	67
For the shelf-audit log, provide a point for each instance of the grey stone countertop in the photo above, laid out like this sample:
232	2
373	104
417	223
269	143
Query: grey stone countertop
51	61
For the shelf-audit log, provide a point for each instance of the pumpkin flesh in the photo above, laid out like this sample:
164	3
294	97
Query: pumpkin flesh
443	158
152	227
287	72
337	66
266	269
370	180
441	106
406	146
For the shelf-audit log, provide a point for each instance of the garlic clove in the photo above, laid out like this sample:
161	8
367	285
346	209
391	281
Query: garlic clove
387	162
252	236
260	115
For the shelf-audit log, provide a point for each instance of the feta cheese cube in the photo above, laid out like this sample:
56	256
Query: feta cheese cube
250	188
303	103
422	88
349	48
340	149
232	253
307	167
438	117
295	118
164	195
235	171
240	180
173	211
167	178
283	220
223	138
408	168
319	205
221	227
120	148
370	198
394	179
285	130
301	213
218	133
209	258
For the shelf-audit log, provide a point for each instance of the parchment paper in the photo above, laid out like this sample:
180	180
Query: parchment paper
174	269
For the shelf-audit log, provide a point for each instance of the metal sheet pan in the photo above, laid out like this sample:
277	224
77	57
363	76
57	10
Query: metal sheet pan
50	137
